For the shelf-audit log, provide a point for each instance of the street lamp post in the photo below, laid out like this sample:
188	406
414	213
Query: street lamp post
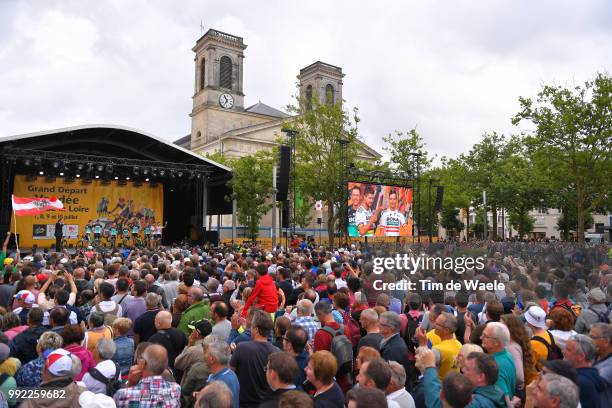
431	181
416	156
292	134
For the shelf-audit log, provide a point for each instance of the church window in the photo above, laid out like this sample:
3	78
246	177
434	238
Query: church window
329	94
309	97
225	73
202	73
199	134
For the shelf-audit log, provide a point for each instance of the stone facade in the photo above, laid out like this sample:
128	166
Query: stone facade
237	131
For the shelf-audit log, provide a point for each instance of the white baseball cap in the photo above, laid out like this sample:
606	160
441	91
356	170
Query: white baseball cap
88	399
536	316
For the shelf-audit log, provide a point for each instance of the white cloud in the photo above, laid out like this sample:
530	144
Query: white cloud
453	69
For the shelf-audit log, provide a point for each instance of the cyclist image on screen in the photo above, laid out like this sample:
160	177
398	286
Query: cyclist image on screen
391	220
366	216
352	211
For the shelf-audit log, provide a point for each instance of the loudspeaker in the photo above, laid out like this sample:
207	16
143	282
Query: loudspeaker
282	174
439	197
212	237
285	215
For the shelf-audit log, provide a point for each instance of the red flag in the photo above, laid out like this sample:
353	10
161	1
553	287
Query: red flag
35	206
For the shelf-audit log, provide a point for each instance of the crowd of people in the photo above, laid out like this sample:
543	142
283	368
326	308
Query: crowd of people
240	327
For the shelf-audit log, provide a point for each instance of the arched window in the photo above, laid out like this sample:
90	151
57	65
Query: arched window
309	97
225	73
202	73
329	94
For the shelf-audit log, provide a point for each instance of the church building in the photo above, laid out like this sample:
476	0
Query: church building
221	123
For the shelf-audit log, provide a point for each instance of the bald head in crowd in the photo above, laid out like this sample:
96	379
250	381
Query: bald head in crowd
163	320
156	358
195	295
304	307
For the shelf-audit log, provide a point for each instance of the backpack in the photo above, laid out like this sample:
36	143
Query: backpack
411	326
575	310
112	384
342	349
354	328
554	352
601	316
109	317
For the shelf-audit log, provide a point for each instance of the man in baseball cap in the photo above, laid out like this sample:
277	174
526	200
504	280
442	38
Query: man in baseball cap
58	373
597	312
194	352
25	301
542	340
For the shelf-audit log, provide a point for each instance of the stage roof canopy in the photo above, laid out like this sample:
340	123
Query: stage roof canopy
111	141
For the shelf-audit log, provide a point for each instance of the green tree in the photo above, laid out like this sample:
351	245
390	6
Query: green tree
453	176
450	221
573	137
251	186
409	154
483	163
477	227
521	185
319	129
402	147
568	221
521	221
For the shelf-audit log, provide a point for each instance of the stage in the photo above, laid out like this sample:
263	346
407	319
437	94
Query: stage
112	166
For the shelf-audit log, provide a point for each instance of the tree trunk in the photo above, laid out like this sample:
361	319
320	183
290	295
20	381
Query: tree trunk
580	219
467	225
494	223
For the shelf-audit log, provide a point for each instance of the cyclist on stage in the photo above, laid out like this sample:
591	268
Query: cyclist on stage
113	234
147	234
88	230
125	234
97	230
135	232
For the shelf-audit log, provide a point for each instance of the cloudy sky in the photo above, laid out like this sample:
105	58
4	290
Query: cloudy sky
452	69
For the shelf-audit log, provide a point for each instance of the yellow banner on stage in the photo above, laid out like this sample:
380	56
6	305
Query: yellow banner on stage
84	203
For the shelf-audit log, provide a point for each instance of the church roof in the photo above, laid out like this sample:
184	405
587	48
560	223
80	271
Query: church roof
185	140
263	109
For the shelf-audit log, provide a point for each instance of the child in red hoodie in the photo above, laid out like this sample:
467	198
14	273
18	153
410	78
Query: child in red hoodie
265	294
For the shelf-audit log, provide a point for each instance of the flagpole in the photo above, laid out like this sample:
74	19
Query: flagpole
15	219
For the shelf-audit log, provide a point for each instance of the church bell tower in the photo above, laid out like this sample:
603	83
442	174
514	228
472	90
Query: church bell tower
218	82
323	80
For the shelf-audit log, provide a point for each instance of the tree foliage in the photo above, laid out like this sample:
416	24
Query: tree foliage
568	222
251	186
521	221
573	136
450	221
319	129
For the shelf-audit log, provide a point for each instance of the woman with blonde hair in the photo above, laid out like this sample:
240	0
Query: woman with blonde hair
465	351
30	374
124	352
